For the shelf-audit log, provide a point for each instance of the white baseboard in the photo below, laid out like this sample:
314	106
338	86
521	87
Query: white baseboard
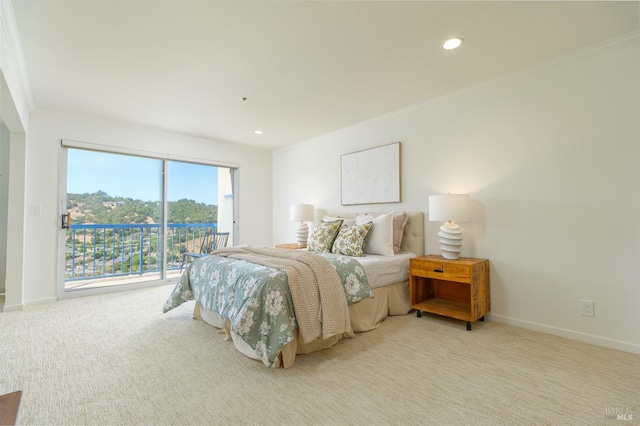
569	334
10	308
21	306
36	302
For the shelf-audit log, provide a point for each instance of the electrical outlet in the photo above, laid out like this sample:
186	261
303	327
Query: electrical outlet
586	308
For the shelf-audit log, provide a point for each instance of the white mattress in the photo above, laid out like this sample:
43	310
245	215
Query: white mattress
385	270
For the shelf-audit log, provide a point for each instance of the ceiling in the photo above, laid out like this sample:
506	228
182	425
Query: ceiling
306	68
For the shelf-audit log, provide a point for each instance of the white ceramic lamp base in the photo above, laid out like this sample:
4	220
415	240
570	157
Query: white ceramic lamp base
450	240
302	234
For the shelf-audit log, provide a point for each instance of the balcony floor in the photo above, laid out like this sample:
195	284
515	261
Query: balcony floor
117	281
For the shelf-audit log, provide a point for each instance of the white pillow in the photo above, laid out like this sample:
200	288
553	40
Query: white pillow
345	221
381	234
400	220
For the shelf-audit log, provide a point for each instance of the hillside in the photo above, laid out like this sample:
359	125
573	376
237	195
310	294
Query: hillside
101	208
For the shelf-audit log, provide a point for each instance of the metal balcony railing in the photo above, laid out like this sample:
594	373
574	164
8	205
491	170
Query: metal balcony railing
94	251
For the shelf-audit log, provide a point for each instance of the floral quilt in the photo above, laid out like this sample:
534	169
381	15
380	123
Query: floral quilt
255	298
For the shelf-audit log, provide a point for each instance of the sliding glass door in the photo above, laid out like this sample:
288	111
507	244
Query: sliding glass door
114	203
129	219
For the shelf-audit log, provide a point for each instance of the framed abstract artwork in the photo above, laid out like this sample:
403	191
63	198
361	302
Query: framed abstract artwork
371	176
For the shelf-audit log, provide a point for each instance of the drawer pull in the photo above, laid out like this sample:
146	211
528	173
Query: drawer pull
438	270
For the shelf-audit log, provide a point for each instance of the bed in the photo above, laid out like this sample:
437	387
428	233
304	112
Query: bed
386	279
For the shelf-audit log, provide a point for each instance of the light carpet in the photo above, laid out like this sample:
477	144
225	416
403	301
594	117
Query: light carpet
117	360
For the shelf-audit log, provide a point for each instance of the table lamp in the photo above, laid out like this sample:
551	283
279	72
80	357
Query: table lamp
301	213
449	209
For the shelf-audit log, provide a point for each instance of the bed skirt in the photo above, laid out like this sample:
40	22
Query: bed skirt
366	315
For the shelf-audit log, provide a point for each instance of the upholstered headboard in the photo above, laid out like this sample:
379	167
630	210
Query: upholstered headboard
413	238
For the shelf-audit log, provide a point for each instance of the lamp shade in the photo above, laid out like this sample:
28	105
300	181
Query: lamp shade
450	207
301	212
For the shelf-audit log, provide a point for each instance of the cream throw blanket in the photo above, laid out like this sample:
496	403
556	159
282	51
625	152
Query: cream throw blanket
316	289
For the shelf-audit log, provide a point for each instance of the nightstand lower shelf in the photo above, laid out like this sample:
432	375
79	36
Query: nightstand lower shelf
448	308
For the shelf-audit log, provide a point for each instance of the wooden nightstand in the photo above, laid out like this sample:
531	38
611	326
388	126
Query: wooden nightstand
454	288
290	246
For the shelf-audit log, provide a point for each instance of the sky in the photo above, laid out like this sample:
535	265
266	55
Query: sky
139	178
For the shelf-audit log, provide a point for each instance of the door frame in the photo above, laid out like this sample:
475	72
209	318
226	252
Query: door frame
62	208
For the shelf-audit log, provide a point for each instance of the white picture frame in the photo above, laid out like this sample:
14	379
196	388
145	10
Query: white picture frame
371	176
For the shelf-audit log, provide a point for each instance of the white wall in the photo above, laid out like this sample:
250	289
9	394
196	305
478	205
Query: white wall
15	104
550	157
43	174
4	200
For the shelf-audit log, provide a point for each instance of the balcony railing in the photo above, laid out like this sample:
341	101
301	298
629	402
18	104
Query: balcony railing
96	251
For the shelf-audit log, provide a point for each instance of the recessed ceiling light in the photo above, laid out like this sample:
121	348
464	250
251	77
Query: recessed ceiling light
258	132
452	43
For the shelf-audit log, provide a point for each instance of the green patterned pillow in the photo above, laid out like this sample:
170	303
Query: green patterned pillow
352	239
322	238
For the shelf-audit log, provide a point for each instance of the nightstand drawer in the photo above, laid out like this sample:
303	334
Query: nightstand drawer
441	270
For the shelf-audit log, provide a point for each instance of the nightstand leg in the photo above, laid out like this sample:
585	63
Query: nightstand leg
419	313
482	319
468	325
